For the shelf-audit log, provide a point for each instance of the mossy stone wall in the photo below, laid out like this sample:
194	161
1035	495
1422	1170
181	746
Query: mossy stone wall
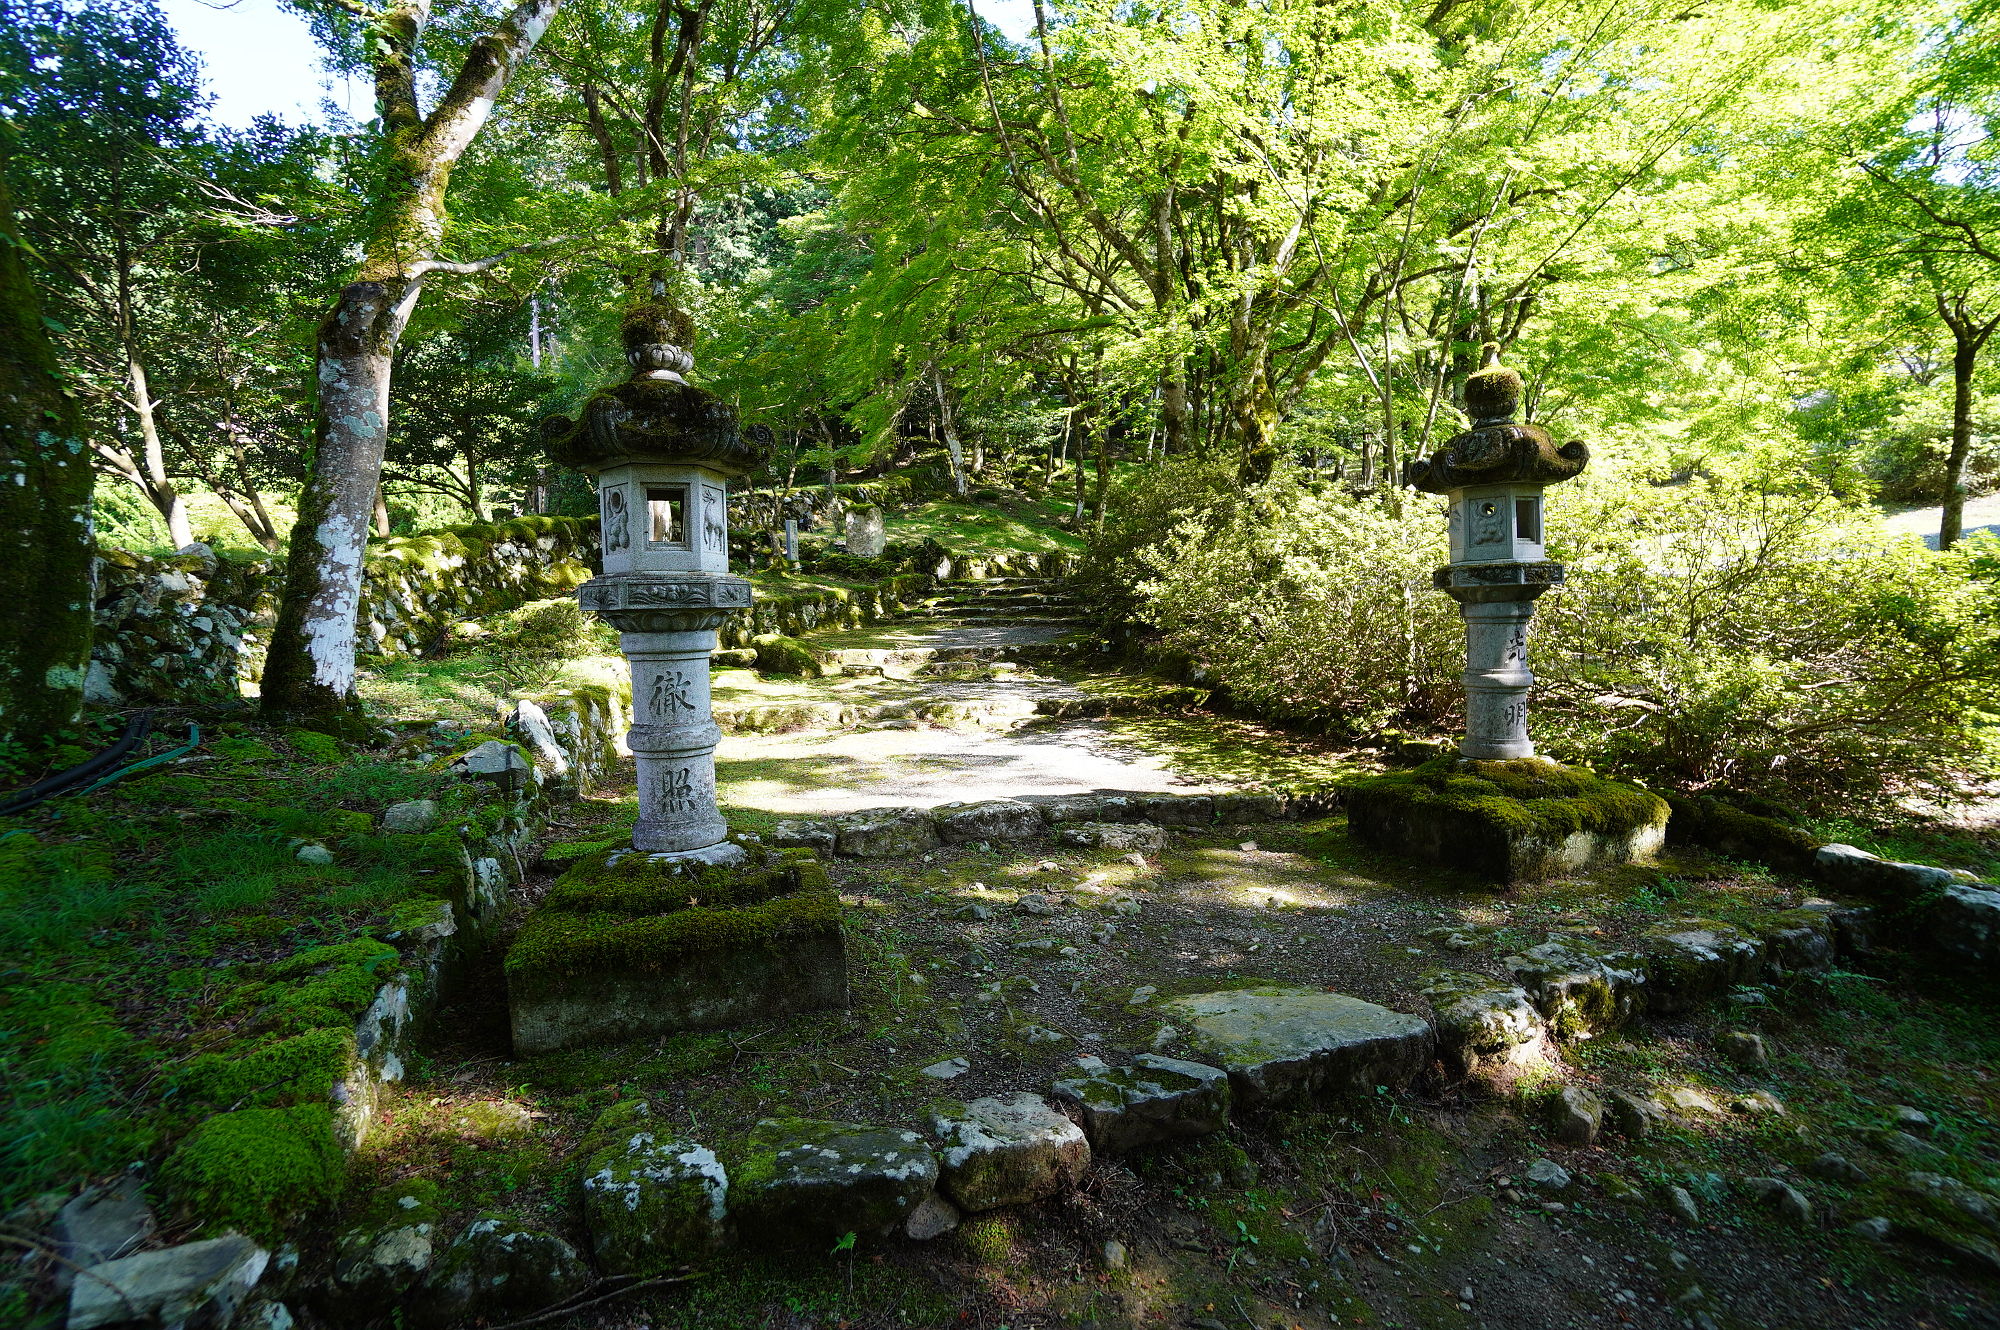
195	628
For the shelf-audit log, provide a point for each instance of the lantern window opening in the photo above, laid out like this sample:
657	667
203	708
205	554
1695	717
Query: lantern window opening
666	515
1528	520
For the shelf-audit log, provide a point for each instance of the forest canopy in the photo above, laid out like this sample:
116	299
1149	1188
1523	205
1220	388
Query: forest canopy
1176	263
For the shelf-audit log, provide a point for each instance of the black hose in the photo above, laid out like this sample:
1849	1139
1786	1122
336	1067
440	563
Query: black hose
83	772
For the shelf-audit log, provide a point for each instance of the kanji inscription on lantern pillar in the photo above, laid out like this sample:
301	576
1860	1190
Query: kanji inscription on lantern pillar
664	452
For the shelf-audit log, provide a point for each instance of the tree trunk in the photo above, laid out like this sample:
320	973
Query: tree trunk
159	487
951	444
1965	357
1969	334
382	525
46	593
309	674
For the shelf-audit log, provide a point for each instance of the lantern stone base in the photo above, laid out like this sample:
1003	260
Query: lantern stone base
1512	821
632	946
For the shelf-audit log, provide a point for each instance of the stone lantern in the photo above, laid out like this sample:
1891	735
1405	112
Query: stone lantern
663	452
1493	476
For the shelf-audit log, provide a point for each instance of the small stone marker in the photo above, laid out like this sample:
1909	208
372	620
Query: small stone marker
1154	1099
792	541
1282	1044
867	537
1008	1150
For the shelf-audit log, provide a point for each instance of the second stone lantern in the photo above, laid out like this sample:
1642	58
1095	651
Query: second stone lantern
663	452
1493	475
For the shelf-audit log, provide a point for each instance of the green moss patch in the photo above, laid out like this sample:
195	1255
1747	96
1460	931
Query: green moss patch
294	1070
328	986
1505	819
258	1169
554	946
636	886
1727	829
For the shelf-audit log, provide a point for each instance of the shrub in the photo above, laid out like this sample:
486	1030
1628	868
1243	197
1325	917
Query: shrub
530	645
1747	628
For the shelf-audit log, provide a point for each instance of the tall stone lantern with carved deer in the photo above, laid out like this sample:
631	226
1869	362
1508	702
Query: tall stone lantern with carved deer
663	452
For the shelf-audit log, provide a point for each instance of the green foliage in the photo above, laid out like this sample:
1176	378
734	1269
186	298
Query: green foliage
300	1069
257	1170
530	645
1746	628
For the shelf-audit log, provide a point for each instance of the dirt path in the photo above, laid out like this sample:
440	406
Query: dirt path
1981	514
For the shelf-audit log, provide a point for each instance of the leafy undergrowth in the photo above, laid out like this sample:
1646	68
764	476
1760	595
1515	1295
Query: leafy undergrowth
1405	1210
147	930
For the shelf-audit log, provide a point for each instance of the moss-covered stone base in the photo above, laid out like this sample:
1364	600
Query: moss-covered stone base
1515	821
624	948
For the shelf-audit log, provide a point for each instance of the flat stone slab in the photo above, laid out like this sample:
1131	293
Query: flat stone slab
1008	1150
1282	1044
202	1283
1154	1099
803	1180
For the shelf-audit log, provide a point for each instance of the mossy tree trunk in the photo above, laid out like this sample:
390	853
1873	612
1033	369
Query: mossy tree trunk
1969	335
45	535
309	678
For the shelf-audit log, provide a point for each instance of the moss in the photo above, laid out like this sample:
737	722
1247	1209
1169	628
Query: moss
258	1169
334	984
1523	798
322	749
786	655
636	886
1721	826
555	946
298	1069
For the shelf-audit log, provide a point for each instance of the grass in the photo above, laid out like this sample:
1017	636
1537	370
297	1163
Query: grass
128	919
1017	525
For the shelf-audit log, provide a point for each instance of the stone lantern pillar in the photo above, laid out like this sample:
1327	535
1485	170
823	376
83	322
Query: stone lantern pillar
1493	475
663	452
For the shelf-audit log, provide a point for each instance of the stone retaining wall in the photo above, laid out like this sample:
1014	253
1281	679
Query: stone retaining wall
192	627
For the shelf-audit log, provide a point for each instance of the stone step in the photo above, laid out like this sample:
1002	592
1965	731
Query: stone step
1281	1044
1003	711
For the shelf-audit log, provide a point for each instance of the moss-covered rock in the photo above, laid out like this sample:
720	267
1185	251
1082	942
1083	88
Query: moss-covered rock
1518	820
797	1180
1483	1024
1757	835
257	1169
382	1252
499	1265
297	1069
1580	987
650	1201
787	655
626	947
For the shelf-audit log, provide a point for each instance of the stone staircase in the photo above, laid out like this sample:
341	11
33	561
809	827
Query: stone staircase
1006	599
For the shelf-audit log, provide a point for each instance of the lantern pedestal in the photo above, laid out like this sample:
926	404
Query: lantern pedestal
1522	820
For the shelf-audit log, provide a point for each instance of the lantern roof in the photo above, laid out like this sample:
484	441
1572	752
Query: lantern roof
1498	449
656	415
